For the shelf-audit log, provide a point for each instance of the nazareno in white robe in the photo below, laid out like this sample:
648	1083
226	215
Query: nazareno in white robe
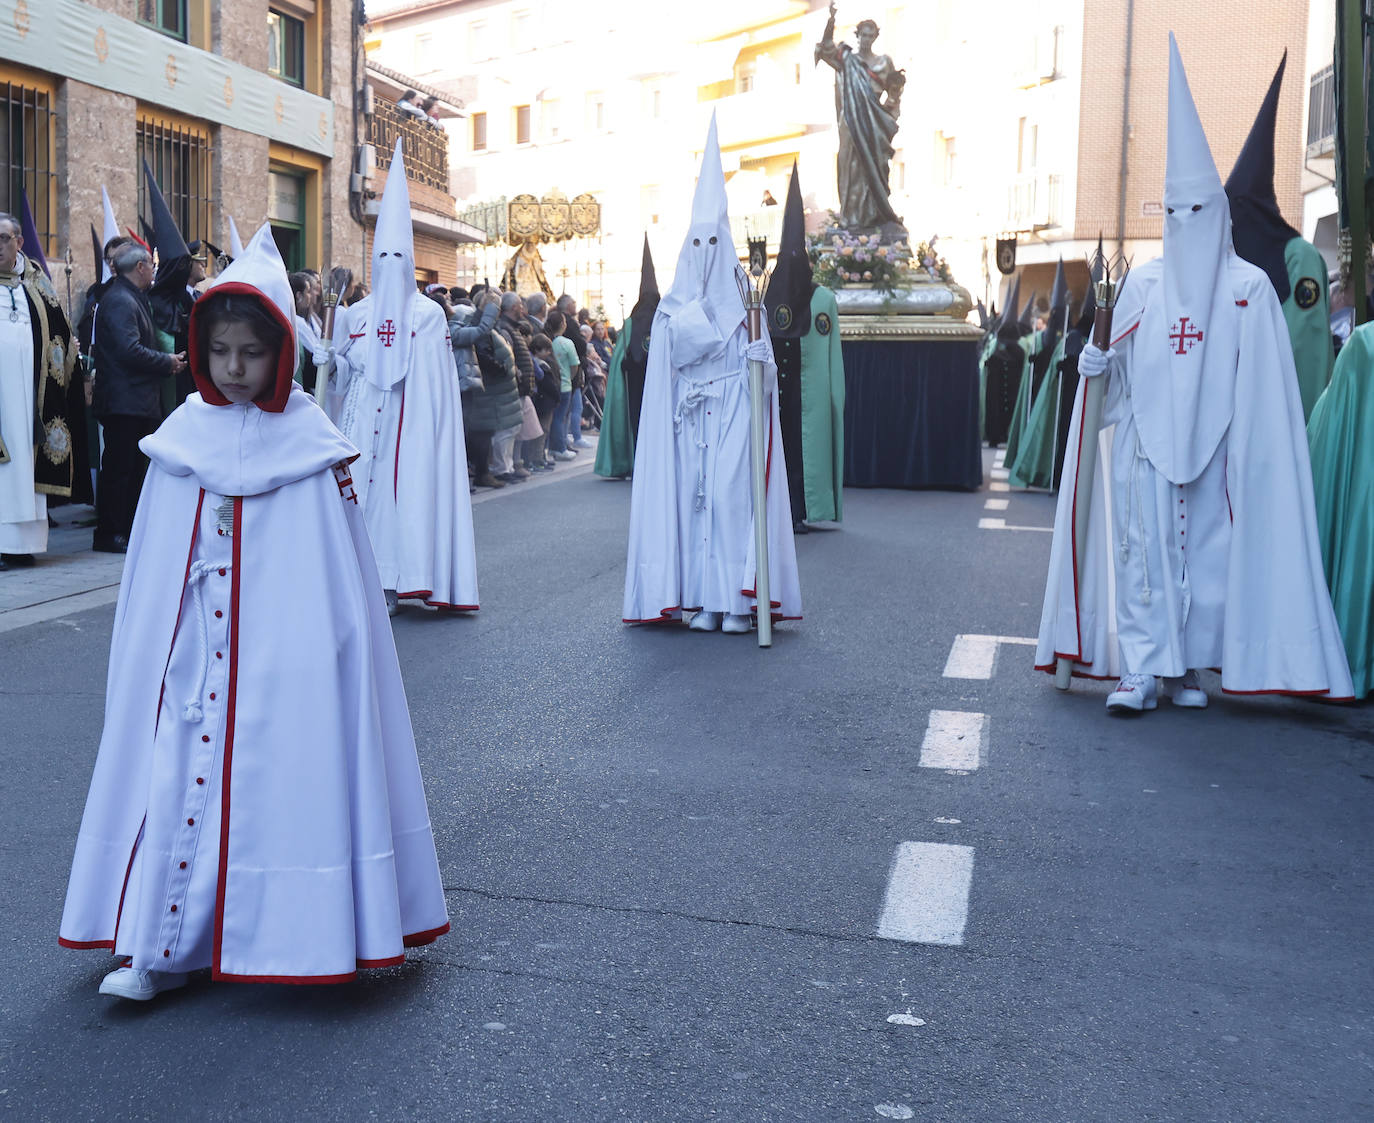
1223	570
691	508
256	806
412	477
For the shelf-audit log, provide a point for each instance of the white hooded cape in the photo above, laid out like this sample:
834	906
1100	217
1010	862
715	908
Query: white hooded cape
257	768
691	543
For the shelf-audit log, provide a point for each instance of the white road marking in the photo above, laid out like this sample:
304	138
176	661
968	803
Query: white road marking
976	656
1001	524
894	1111
905	1020
948	821
1000	474
927	894
59	607
954	739
999	458
996	504
997	485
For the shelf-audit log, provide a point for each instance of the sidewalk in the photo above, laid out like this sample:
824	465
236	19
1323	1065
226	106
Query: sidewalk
71	577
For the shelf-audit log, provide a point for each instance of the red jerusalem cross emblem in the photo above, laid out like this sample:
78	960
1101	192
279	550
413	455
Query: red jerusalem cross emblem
1183	337
386	333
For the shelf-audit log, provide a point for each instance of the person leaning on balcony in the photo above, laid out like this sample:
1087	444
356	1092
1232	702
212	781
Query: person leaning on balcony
408	106
430	107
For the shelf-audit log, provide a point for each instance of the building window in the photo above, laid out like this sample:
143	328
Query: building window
651	203
521	29
656	105
1020	145
179	156
551	113
479	132
522	124
285	47
477	41
286	213
424	53
166	16
27	157
596	112
950	160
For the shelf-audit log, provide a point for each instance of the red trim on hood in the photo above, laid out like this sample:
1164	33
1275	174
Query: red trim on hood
286	360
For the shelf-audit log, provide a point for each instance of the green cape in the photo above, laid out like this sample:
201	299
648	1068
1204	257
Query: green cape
1028	344
1034	463
615	447
1309	328
822	409
1343	483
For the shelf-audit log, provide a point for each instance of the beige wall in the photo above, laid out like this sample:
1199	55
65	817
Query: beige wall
1230	49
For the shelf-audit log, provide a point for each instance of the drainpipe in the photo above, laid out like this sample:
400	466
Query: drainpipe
1125	131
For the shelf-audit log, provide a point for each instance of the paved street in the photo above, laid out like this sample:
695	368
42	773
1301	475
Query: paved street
690	879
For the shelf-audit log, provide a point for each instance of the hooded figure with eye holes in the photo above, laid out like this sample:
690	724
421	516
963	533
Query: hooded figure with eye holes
394	394
1202	549
691	549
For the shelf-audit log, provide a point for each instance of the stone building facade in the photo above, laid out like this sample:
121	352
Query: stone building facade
257	110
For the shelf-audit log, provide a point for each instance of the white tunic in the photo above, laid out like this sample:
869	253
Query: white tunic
412	477
23	512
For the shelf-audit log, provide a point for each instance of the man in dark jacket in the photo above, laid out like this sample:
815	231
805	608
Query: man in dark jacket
572	329
503	458
129	374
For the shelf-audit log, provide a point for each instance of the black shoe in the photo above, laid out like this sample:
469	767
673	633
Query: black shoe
119	544
18	561
800	527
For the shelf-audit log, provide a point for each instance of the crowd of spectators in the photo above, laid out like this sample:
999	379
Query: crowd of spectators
532	378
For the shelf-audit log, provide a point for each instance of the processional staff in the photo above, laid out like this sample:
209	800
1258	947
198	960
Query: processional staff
752	288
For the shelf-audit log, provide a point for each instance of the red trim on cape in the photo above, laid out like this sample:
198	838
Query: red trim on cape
181	606
1290	694
665	617
1125	333
396	467
1073	534
123	889
425	594
1050	668
419	939
85	945
286	357
230	713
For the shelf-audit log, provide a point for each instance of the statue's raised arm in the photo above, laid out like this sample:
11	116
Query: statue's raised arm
868	96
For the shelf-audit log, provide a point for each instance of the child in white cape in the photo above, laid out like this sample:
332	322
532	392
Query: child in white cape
256	806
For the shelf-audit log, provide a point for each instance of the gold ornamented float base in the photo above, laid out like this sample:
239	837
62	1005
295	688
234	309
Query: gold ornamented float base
932	309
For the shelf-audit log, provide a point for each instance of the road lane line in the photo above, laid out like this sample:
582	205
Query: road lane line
996	504
972	656
1001	524
927	897
998	485
954	739
1001	473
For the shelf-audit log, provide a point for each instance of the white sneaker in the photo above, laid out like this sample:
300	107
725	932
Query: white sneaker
392	605
705	622
737	625
1186	691
126	982
565	455
582	442
1133	694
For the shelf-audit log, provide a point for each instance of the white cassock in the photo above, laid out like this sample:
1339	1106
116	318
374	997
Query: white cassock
691	509
23	512
412	477
1222	570
257	806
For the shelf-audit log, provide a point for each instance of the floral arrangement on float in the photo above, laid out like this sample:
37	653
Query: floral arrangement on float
840	257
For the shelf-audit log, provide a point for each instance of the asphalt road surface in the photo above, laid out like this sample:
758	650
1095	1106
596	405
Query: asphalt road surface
691	879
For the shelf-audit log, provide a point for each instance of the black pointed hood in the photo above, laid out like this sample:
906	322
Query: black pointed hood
642	314
1027	318
28	230
99	255
788	300
1007	327
1059	297
167	237
1258	229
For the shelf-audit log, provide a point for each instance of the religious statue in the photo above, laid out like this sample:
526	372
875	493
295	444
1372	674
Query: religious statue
868	96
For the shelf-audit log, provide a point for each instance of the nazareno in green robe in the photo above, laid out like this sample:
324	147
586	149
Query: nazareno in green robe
1338	434
1307	312
822	410
1034	463
615	447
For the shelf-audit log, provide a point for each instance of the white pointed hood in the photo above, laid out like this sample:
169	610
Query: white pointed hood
1185	367
704	300
111	229
235	242
393	282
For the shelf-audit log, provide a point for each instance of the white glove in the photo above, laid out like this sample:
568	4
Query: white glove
323	354
1093	361
760	351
